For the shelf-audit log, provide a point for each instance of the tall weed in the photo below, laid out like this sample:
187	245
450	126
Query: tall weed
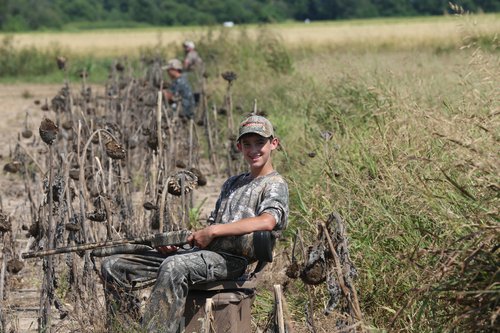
413	175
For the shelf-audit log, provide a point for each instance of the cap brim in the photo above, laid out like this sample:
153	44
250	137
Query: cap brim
253	132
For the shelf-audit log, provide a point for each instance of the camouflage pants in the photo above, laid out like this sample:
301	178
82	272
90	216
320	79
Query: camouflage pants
170	276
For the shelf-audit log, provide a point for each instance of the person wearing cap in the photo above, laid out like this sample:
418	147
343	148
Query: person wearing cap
194	68
180	90
192	59
256	200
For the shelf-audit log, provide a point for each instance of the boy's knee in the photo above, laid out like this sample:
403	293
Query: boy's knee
172	264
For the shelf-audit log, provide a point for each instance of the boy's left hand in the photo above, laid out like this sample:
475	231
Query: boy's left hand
168	95
201	238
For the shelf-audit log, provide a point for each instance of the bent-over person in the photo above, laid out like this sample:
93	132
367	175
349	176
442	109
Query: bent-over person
179	94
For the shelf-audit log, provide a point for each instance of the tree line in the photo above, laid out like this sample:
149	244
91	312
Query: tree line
21	15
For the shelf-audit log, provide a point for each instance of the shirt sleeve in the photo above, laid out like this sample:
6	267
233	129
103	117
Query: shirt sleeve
275	202
191	59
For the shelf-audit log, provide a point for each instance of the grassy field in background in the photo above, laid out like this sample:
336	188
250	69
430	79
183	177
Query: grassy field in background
29	57
361	34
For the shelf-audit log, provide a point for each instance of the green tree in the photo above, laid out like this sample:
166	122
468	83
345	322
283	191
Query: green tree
272	12
430	7
122	6
88	10
358	9
394	7
298	9
43	14
3	12
145	11
489	5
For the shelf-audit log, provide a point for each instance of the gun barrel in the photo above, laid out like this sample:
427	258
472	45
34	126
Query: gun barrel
84	247
174	238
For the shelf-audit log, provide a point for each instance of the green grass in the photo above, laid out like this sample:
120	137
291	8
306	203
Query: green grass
388	157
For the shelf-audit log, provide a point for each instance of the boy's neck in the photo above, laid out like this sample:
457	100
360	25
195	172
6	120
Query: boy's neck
259	172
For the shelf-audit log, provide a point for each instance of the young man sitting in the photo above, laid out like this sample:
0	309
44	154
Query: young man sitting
253	201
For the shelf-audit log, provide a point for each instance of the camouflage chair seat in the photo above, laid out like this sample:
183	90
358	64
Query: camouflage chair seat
221	306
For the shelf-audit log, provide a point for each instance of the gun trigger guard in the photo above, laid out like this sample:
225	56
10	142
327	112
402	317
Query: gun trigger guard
186	246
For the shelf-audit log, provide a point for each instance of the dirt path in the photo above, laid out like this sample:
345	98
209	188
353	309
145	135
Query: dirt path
15	101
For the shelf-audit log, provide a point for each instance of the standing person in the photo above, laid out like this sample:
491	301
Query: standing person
193	66
252	201
192	60
179	90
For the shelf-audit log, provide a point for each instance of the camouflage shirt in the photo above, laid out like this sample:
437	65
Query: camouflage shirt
194	70
181	89
242	197
194	62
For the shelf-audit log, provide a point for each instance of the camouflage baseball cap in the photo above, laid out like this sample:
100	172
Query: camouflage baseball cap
173	64
256	124
188	44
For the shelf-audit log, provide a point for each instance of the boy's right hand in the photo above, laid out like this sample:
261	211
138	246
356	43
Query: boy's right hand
168	249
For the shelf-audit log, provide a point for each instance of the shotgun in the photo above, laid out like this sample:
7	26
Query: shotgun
255	246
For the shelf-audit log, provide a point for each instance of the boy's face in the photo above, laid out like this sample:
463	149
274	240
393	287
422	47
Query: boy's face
257	149
172	73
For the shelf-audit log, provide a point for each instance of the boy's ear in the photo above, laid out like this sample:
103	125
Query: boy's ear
238	145
275	142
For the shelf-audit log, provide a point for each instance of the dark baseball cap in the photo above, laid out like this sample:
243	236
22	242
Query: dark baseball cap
256	124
